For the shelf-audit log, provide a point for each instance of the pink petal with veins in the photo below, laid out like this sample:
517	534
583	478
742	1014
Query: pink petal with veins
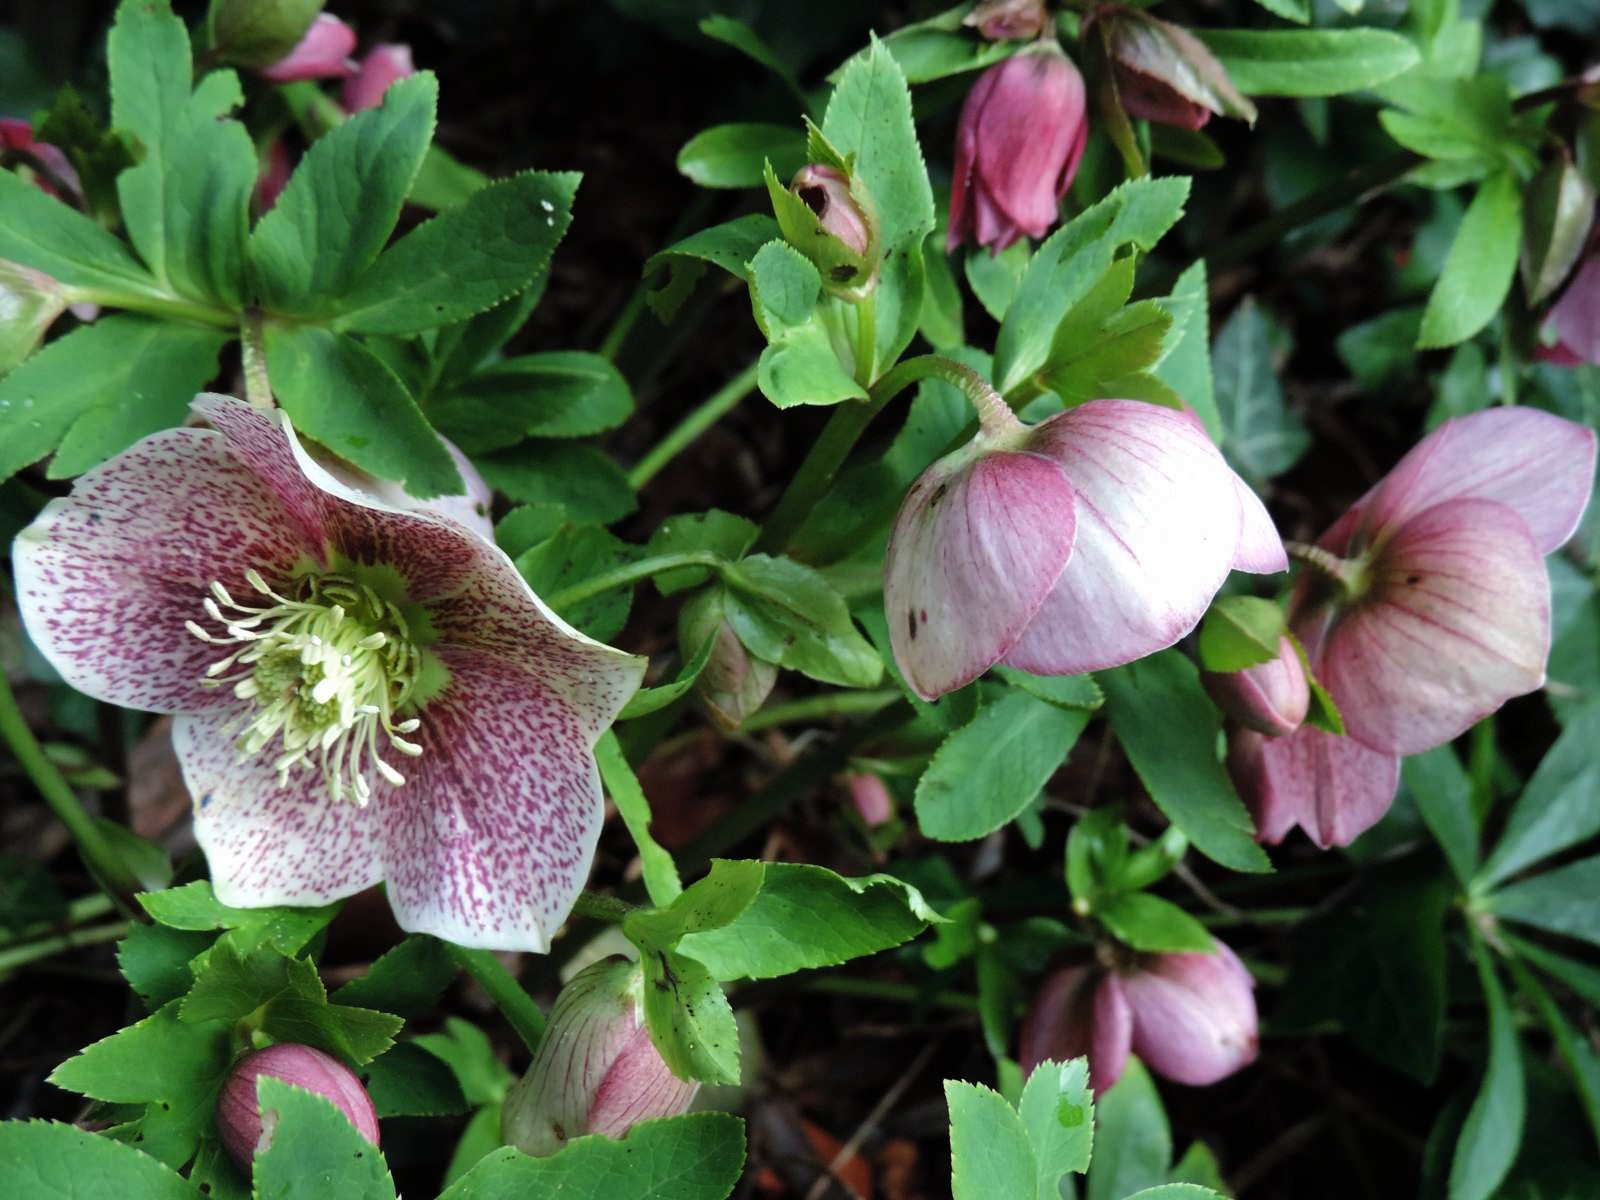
1332	787
1194	1015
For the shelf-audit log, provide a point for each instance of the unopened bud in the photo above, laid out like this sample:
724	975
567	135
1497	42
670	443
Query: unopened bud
1270	697
1164	73
239	1110
29	301
1008	20
382	65
734	683
322	53
827	215
596	1070
870	796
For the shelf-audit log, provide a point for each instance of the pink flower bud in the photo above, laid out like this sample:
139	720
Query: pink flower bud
1270	697
1163	72
1021	134
17	135
826	192
596	1070
1079	1011
871	799
1573	325
1008	20
323	53
29	301
239	1111
382	65
735	683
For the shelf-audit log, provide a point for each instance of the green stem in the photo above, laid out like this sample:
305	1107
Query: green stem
867	341
253	351
1260	916
632	572
601	907
158	305
503	988
819	708
109	871
18	956
707	414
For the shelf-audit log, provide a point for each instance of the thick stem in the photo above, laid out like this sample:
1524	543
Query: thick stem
707	414
819	708
503	988
16	956
109	871
630	573
867	341
253	350
1349	576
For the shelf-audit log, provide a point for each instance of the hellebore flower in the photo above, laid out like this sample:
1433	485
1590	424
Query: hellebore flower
380	67
1427	607
324	53
1574	319
869	795
1163	72
239	1109
1092	539
311	637
1021	134
1190	1018
596	1070
1271	697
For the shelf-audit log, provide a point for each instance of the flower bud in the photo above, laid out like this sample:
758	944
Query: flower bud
17	135
1008	20
239	1111
29	301
1021	134
1194	1015
323	53
870	798
734	683
259	33
1270	697
827	215
596	1070
1164	73
382	65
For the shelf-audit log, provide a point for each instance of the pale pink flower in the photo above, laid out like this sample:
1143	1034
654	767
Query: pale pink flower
1271	697
239	1109
1574	320
1190	1018
365	692
1092	539
1442	616
380	67
324	53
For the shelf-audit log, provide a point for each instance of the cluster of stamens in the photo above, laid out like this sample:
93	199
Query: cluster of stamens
328	664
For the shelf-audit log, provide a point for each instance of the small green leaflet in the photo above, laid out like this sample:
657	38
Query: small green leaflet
708	903
1021	1153
1480	266
788	614
689	1018
730	246
195	906
660	872
1309	62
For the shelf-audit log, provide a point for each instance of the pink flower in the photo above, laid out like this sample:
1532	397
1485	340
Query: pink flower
313	640
1189	1017
1270	697
239	1111
1162	71
1088	541
1018	143
382	65
1431	608
1574	319
17	135
596	1070
323	53
870	797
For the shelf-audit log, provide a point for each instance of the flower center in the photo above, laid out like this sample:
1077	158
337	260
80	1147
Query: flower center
328	664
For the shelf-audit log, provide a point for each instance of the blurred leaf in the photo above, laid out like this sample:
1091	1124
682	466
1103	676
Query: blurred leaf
471	1055
1240	632
937	48
1493	1129
1152	924
1560	806
45	1160
39	231
730	246
1381	353
1185	366
1264	438
1558	211
1478	273
994	278
408	1081
1309	62
733	156
28	896
1443	792
554	394
579	478
1560	901
1133	1143
660	872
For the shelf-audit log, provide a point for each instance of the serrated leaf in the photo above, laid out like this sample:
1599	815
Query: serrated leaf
467	1050
466	260
555	394
1058	1115
1262	437
408	1081
730	246
690	1022
313	1151
709	903
39	231
44	1160
1067	691
581	479
575	554
195	906
735	156
989	1151
407	980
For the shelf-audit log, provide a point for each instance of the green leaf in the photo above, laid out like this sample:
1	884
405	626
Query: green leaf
1150	923
101	388
689	1019
735	156
340	393
731	31
709	903
653	699
39	231
806	916
988	771
478	1140
194	906
1309	62
660	872
1168	728
1479	269
730	246
1298	11
1065	691
1058	1115
174	1068
1186	364
1133	1142
1072	261
556	394
409	1081
694	1157
314	1151
1493	1129
1573	1048
342	202
407	980
579	478
96	153
471	1055
1443	792
994	278
784	287
1560	901
466	260
990	1155
801	367
155	961
937	48
1560	806
788	614
1240	632
1177	1191
1264	438
713	532
575	554
44	1160
458	350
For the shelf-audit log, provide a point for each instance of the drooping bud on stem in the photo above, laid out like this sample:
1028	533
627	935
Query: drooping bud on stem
239	1111
827	215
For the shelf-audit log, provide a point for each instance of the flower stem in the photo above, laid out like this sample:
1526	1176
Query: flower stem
503	988
17	956
157	304
114	876
883	989
867	341
628	573
601	907
819	708
253	350
707	414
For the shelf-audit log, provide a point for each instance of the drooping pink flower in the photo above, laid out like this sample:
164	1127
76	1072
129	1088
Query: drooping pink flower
364	692
1092	539
1162	71
380	67
1021	133
239	1109
17	135
1573	324
1270	697
1431	609
1190	1018
324	53
596	1070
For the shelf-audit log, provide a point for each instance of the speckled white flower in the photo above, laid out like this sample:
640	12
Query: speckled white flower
366	690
